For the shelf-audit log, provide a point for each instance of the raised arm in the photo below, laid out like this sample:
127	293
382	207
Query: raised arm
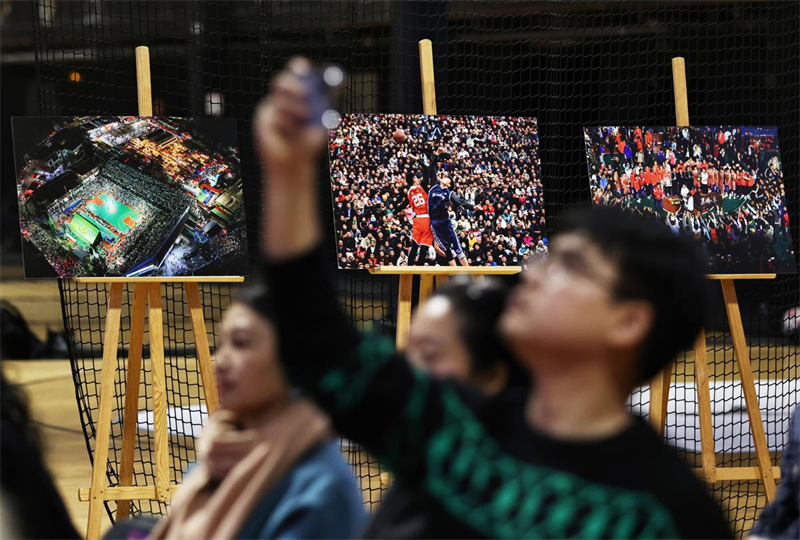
458	201
365	388
430	171
289	150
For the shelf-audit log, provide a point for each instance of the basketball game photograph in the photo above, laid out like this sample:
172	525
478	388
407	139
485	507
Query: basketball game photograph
418	190
129	196
722	185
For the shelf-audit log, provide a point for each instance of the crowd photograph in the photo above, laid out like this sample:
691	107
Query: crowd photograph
721	185
423	190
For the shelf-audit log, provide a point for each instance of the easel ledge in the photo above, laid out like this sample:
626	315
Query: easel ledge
732	277
445	270
165	279
505	271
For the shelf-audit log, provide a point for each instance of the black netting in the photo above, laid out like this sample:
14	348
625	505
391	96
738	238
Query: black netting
84	307
570	64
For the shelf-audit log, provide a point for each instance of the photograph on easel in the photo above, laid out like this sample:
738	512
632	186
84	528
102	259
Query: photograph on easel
722	185
128	196
418	190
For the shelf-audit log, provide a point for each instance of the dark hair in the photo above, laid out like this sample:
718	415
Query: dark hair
258	298
477	307
14	409
656	265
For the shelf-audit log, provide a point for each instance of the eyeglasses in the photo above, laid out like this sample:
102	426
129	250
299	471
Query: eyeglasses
568	266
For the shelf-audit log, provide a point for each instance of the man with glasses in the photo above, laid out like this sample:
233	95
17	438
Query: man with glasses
617	298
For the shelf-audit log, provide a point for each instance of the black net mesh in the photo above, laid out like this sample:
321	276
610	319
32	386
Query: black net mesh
84	307
570	64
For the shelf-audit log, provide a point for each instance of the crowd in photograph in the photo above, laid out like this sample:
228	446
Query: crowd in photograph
36	231
721	185
160	209
130	186
492	162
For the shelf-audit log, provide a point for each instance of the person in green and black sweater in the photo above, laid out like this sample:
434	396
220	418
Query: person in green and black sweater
617	298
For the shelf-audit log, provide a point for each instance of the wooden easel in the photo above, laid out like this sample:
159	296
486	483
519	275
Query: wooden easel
427	273
659	387
146	292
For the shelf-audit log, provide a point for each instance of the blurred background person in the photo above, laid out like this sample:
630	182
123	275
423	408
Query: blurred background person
269	465
781	518
31	504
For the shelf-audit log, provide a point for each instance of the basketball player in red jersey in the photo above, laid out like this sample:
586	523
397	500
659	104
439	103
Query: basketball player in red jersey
421	234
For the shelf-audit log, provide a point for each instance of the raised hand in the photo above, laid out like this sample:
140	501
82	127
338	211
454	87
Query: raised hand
288	144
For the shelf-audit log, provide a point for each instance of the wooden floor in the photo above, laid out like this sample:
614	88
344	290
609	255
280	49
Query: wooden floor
38	302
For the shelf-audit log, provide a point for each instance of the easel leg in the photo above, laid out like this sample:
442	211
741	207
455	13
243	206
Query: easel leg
425	287
159	391
748	387
203	350
707	449
659	399
404	310
102	439
134	370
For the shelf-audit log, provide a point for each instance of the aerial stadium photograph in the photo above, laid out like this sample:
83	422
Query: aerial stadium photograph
129	196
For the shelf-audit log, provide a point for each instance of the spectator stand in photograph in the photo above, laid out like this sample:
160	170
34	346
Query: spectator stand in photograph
427	273
660	385
146	291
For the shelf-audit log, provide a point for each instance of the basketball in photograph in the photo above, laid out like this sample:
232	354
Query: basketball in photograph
399	136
